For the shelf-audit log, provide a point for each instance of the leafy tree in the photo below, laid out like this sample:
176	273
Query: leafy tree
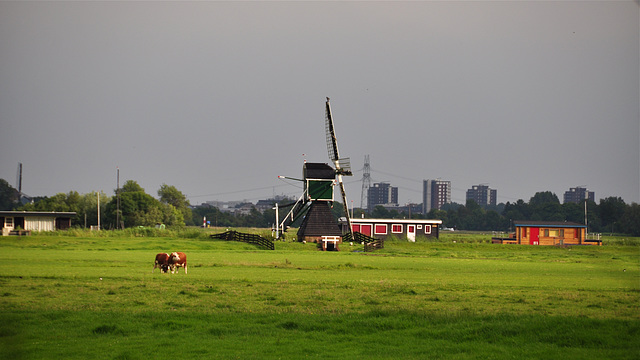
59	202
141	209
88	208
9	197
439	215
172	196
131	186
630	221
573	212
545	206
544	197
517	211
610	211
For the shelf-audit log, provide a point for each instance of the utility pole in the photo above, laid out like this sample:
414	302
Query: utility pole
117	198
277	222
366	182
98	193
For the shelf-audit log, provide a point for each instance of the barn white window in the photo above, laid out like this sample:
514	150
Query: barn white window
381	229
8	222
427	229
396	228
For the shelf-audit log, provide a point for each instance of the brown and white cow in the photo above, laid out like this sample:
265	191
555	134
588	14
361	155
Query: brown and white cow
176	260
162	262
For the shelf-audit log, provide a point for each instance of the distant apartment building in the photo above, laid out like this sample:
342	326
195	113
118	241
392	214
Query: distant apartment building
435	193
482	195
578	195
381	194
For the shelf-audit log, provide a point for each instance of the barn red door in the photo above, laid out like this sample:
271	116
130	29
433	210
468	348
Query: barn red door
366	229
534	236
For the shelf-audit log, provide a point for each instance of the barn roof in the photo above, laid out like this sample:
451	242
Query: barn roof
395	221
547	223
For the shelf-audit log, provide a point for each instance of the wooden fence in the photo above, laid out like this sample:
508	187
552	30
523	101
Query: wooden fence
374	245
370	243
232	235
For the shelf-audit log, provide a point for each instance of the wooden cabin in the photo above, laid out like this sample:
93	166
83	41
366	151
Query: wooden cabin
409	229
23	222
548	233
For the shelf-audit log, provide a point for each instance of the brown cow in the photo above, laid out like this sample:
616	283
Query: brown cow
176	260
162	261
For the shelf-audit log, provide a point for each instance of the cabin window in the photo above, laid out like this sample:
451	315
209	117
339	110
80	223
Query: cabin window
396	228
553	233
561	233
546	232
8	222
427	229
381	229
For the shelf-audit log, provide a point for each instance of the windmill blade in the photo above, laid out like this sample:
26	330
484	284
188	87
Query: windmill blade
332	147
343	166
332	143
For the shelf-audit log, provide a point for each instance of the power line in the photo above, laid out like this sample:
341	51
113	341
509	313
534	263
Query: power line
239	191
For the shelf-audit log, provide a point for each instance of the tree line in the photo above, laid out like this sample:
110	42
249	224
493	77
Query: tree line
130	206
137	208
610	215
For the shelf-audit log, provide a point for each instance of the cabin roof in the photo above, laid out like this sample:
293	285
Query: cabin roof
530	223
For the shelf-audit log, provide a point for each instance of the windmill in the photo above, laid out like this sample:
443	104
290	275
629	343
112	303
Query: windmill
319	224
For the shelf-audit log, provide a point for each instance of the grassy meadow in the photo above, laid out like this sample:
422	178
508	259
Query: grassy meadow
93	296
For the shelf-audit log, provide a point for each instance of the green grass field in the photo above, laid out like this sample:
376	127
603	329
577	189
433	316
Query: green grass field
95	297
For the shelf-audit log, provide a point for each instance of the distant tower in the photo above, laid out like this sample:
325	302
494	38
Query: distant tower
366	182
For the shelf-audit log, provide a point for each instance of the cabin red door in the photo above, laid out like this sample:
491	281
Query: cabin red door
534	236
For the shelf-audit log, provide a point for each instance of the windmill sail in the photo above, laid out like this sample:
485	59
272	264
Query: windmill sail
342	166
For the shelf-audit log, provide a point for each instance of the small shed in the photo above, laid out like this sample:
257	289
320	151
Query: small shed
401	228
13	221
548	233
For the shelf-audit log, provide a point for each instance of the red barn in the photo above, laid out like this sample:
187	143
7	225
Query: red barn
400	228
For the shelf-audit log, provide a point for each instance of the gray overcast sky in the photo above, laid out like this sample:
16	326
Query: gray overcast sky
219	98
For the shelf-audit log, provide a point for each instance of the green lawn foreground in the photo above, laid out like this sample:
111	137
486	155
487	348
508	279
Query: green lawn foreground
97	298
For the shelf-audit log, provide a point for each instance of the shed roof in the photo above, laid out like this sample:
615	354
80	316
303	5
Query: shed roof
38	213
547	224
